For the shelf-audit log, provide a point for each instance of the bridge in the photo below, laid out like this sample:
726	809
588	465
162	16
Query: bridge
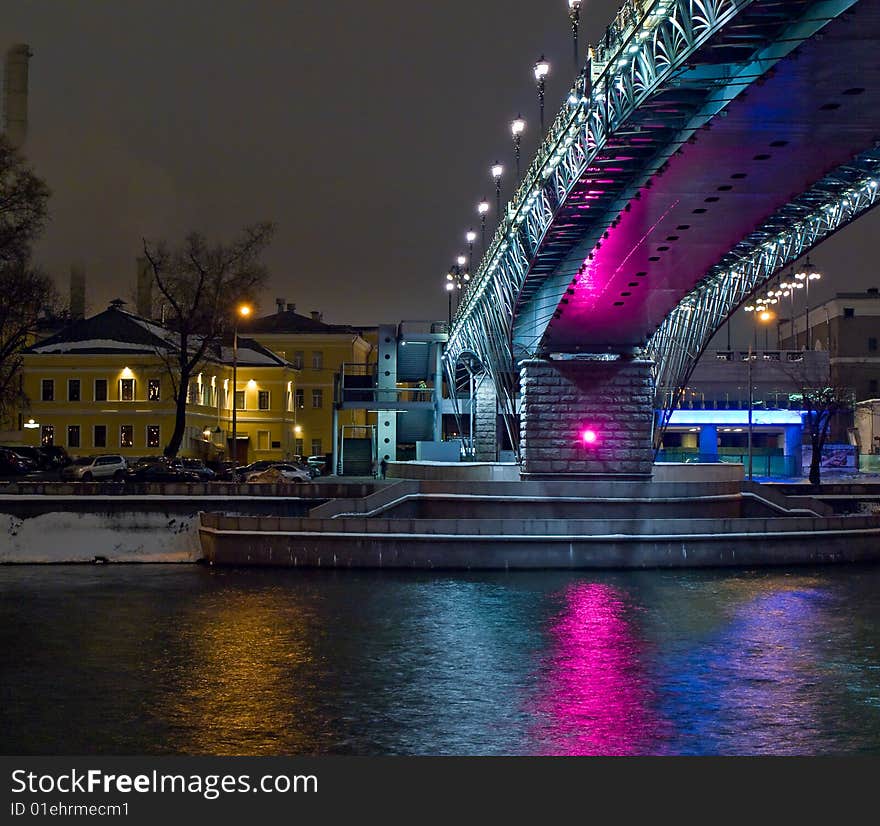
705	146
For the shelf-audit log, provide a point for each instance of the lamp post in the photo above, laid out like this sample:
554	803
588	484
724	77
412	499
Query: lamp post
517	127
470	237
242	311
805	276
497	173
763	315
574	15
542	69
482	209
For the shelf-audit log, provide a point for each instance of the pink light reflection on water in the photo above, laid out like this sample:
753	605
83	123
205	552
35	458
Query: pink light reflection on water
594	698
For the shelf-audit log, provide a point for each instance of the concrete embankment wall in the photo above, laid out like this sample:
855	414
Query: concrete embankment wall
532	544
39	529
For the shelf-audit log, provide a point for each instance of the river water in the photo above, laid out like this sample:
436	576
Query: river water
188	660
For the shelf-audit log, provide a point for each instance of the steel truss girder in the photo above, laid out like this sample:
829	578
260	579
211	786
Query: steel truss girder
646	43
833	202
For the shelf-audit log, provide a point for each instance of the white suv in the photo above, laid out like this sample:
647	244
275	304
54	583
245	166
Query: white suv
89	468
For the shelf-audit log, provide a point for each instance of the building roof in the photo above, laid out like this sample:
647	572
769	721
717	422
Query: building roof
289	321
117	331
111	331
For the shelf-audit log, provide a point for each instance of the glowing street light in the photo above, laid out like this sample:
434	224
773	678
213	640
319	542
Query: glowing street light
497	174
574	16
542	69
241	311
804	277
517	127
470	237
482	209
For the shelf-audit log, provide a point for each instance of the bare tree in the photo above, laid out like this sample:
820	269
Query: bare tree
200	284
820	405
26	292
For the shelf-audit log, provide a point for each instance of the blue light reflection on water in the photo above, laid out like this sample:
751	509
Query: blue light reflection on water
185	660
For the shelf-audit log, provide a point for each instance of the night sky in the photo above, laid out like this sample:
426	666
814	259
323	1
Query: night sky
365	130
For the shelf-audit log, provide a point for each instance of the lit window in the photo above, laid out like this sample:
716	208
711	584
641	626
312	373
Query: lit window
100	391
239	400
47	436
73	435
126	435
73	391
126	390
299	396
100	435
317	398
154	390
153	436
263	399
47	393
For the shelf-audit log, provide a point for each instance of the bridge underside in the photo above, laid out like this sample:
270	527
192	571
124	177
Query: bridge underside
643	245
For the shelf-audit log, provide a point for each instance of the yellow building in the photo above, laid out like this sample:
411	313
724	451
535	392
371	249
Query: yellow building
101	386
318	351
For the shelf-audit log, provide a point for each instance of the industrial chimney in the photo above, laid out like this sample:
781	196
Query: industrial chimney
279	305
144	288
77	292
15	94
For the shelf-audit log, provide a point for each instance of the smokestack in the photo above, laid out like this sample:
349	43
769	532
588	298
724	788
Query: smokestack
291	308
77	292
316	316
144	288
15	94
279	305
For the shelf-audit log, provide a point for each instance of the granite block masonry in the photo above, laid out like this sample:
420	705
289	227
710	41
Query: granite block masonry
563	399
485	420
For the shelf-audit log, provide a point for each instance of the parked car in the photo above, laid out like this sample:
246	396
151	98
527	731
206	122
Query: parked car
11	464
57	455
93	468
161	472
40	460
222	470
319	463
278	472
196	466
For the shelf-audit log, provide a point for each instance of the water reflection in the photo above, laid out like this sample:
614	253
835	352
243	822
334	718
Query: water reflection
595	696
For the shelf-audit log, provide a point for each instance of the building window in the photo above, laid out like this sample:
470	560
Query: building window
872	388
126	390
263	399
262	440
153	436
298	358
298	447
100	390
47	390
872	345
47	436
239	400
849	312
192	393
73	391
316	447
317	360
154	390
317	398
299	396
126	435
99	435
73	435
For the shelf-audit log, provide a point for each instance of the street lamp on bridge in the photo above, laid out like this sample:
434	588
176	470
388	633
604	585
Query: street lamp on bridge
542	69
497	173
574	15
517	127
482	209
807	274
470	237
456	279
763	315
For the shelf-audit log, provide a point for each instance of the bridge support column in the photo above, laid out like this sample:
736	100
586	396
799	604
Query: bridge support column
586	418
485	420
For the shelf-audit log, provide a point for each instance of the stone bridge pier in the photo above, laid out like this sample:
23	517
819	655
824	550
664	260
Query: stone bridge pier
586	418
485	420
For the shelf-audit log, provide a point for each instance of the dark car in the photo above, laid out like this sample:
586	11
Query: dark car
57	455
160	472
222	471
196	466
11	464
41	460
